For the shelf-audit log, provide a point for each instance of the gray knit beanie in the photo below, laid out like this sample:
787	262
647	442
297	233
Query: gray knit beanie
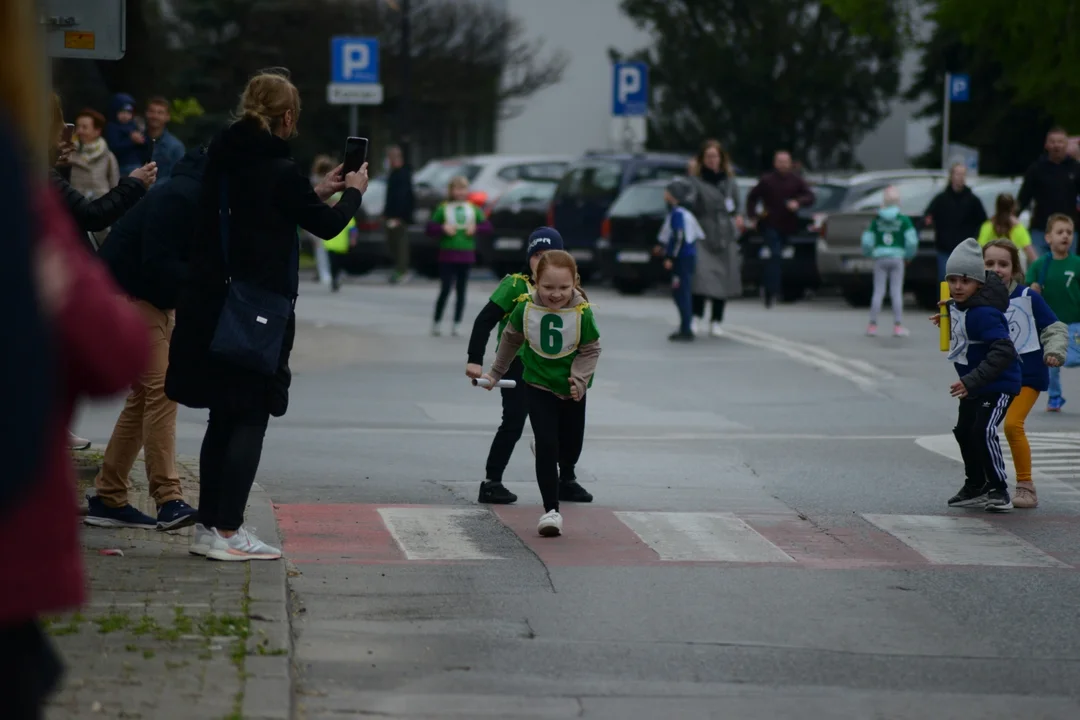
967	261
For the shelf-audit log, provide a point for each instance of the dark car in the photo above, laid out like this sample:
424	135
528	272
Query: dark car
630	231
589	188
516	213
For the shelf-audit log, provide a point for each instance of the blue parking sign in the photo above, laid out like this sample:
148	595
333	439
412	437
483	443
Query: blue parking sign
629	89
959	88
354	60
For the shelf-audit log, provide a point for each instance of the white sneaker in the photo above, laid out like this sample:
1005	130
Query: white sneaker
456	329
532	446
241	547
695	326
716	330
435	330
550	524
201	539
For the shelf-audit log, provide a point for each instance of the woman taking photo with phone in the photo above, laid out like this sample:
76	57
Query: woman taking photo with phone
246	252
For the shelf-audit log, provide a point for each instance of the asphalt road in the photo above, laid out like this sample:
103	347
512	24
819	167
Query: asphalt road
769	539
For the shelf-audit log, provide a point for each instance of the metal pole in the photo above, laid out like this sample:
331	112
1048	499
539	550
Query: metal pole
354	120
404	120
945	123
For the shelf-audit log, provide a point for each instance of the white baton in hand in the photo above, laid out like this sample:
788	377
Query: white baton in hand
485	383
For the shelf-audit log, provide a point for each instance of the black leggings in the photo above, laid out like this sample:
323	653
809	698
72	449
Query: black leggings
456	274
559	428
697	302
514	411
230	455
30	670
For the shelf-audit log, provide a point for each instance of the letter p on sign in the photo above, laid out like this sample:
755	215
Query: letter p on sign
357	58
629	83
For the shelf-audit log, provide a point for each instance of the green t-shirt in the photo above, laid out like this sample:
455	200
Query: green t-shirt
552	339
1061	290
506	296
458	214
890	232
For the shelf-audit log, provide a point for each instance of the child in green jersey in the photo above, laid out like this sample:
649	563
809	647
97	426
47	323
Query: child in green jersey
514	409
556	332
1057	278
456	223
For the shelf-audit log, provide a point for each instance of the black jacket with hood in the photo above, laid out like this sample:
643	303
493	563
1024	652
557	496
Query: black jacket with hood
999	370
1053	187
956	216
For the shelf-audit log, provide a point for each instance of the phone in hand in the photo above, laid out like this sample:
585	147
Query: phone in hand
69	131
356	149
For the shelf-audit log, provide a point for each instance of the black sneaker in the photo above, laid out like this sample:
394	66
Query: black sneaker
101	515
493	492
176	514
969	497
998	501
573	492
681	337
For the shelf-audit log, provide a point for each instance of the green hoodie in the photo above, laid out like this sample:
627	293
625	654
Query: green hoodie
890	235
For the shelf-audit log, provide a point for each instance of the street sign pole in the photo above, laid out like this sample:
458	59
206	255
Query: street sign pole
354	120
629	105
354	76
945	122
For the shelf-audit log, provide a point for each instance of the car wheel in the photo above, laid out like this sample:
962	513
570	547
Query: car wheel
626	286
858	296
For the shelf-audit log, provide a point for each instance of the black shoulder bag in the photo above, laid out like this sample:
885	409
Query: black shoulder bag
251	328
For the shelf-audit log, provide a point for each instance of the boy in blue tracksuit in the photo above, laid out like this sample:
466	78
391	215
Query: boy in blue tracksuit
990	375
678	239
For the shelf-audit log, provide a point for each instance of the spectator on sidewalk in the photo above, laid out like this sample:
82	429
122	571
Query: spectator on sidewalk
251	173
320	167
123	135
147	254
1053	184
94	169
167	149
955	214
782	192
400	203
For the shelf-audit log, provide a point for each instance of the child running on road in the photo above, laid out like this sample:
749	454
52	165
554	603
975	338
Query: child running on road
891	241
456	223
556	332
1055	277
514	409
678	238
1041	341
989	368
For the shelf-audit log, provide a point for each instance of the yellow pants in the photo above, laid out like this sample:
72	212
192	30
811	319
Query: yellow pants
1014	432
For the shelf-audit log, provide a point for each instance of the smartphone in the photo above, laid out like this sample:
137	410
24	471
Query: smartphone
356	149
69	130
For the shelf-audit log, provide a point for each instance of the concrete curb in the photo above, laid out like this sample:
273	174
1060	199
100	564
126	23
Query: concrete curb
268	685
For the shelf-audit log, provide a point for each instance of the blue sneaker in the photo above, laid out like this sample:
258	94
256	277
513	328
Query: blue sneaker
176	514
1054	404
101	515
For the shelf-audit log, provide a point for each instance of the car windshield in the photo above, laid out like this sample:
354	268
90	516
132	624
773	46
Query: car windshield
537	192
827	197
915	196
640	200
439	175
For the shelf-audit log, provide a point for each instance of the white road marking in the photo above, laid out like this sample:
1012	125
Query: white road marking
658	437
702	537
860	373
435	533
952	540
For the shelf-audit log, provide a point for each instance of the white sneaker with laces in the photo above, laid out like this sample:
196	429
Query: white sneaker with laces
202	538
550	524
242	546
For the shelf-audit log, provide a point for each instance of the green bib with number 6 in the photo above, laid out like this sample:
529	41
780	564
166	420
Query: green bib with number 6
552	339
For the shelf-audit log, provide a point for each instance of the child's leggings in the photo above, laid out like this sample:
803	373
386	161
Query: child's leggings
1014	432
559	428
888	271
452	275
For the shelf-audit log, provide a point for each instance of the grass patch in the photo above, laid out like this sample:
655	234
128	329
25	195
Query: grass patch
113	622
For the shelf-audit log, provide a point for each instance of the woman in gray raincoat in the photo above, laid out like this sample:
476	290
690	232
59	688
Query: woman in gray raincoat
716	201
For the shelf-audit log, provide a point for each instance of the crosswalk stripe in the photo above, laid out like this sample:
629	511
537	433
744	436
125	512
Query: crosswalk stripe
702	537
435	533
951	540
1055	459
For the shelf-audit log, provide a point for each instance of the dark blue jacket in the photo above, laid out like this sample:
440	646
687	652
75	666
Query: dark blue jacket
118	136
147	250
980	346
1032	364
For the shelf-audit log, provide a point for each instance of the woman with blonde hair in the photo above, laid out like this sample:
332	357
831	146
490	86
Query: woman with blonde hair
246	249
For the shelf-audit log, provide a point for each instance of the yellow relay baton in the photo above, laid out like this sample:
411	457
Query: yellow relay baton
944	326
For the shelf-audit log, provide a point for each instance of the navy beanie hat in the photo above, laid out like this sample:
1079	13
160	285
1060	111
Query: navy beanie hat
543	238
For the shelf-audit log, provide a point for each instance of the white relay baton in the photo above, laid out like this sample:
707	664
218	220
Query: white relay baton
485	383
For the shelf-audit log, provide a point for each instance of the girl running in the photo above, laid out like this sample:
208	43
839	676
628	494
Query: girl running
1041	341
456	224
556	332
514	411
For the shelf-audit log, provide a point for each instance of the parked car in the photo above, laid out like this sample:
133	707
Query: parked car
629	232
832	193
370	251
840	259
589	188
489	177
516	213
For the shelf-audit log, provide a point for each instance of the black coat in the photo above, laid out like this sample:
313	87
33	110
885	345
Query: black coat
268	199
96	215
956	216
1053	187
400	200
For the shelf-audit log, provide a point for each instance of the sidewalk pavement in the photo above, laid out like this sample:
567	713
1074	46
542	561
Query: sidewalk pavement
167	634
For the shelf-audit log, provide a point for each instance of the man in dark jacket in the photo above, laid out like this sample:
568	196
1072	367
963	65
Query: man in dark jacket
955	214
147	254
1053	183
782	192
398	211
